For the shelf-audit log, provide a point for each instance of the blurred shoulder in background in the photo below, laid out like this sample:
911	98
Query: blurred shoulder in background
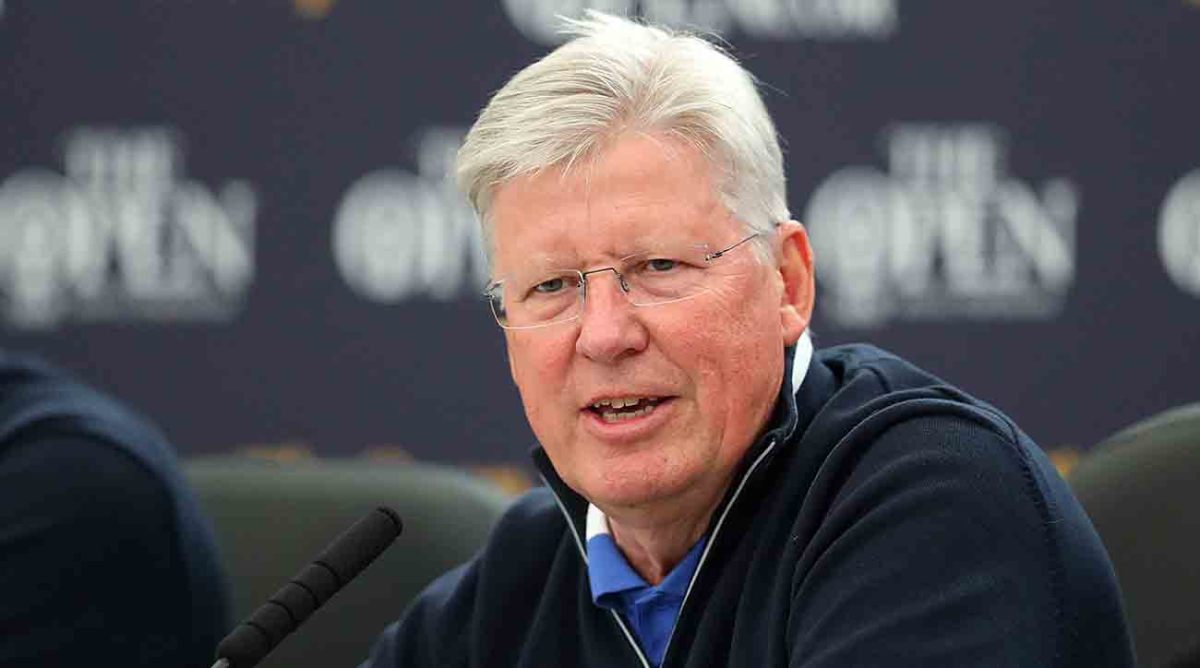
104	555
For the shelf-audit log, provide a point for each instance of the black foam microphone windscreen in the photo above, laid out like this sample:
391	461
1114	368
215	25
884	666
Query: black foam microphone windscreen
343	559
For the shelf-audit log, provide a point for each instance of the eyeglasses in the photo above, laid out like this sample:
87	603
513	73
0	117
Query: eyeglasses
532	299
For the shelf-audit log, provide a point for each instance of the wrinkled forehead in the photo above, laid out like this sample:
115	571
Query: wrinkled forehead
641	193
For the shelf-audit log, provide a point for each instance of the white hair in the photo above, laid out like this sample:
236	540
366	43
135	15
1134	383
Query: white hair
615	76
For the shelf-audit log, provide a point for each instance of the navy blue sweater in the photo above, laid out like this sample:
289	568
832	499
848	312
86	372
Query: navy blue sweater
883	519
105	559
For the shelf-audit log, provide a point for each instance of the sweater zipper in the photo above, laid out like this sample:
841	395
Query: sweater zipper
583	553
712	541
699	565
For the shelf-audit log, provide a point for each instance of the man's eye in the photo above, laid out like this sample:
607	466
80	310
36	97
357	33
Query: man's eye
551	286
661	264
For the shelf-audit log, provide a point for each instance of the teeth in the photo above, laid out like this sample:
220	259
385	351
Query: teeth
619	402
612	416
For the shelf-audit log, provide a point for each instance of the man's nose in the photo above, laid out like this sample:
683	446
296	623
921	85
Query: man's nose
609	327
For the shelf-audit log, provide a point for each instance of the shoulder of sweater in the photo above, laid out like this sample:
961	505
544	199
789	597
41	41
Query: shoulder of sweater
879	387
529	531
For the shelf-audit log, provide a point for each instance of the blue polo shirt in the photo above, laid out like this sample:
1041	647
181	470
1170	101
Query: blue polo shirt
649	610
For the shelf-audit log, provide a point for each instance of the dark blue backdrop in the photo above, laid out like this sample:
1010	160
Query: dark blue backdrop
233	214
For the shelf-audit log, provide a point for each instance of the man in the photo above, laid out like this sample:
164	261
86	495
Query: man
104	556
716	493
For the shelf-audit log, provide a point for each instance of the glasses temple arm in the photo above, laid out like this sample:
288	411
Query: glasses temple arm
717	254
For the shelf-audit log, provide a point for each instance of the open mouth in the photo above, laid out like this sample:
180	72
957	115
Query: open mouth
624	408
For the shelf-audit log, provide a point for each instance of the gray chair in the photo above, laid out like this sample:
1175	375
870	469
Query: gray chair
271	519
1141	488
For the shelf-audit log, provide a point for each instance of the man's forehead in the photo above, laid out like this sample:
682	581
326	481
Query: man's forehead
640	191
572	242
632	162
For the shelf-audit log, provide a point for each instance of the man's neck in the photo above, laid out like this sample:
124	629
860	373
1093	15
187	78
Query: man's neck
654	540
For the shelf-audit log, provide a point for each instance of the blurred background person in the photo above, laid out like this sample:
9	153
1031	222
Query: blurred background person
105	558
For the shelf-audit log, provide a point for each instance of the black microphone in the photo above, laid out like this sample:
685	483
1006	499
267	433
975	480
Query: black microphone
283	613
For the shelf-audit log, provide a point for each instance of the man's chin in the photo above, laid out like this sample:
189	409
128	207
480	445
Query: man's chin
635	491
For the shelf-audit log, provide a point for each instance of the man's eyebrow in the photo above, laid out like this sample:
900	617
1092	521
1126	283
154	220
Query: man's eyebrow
547	261
551	260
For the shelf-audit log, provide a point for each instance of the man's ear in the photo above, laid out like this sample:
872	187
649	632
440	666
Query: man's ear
799	284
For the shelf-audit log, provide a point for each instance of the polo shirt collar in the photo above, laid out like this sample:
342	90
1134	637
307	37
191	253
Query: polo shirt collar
610	574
